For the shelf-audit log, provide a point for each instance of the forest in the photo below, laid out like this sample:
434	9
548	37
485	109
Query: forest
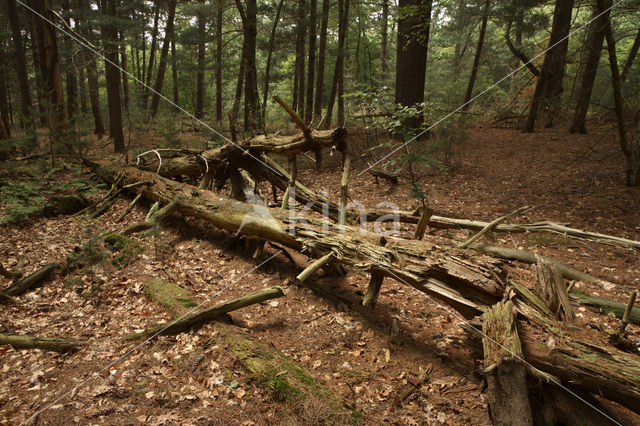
320	212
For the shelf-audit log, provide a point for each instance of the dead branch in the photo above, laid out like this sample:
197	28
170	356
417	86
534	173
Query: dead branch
45	343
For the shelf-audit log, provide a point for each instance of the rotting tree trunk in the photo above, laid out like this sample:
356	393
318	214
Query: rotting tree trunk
53	344
162	65
594	46
505	373
587	361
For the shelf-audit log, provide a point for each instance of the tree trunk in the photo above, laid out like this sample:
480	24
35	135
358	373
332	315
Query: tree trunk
594	47
51	72
239	84
152	55
343	9
311	66
383	41
632	56
298	77
413	45
549	87
82	90
202	51
70	74
630	149
35	52
4	101
219	62
342	30
476	58
174	71
252	113
267	71
112	75
123	64
317	105
21	67
518	53
162	65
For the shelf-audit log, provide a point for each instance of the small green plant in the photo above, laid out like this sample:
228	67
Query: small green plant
126	251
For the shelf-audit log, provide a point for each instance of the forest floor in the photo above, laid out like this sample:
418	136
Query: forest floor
360	361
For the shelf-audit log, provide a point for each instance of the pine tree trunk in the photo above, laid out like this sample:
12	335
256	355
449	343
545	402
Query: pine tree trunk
219	62
383	41
174	72
317	105
632	56
252	116
4	101
343	8
52	81
42	110
411	63
152	55
70	74
342	31
123	64
298	77
239	85
594	47
267	71
21	65
311	68
476	59
112	75
549	87
162	65
202	50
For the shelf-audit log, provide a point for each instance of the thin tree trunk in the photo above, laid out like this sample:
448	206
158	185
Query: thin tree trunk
549	87
311	68
42	111
21	66
70	74
594	41
202	51
632	56
267	70
344	25
152	55
4	102
51	72
219	62
252	116
82	90
317	105
383	41
343	9
112	74
517	51
298	77
162	65
174	71
476	59
631	151
239	85
411	63
123	64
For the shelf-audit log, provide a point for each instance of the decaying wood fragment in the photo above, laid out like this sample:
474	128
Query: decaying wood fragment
45	343
553	290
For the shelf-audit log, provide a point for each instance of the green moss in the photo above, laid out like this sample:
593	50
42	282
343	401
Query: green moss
126	250
169	295
73	281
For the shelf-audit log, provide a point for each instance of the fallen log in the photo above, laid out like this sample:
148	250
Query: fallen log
505	373
465	282
53	344
30	281
201	316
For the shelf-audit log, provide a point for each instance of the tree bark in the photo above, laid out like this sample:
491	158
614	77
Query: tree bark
298	77
594	47
632	56
311	66
4	101
383	41
112	75
152	55
162	65
82	86
174	71
35	52
202	52
46	343
548	91
219	62
342	30
70	73
317	105
343	15
267	71
123	64
21	67
413	44
252	113
476	58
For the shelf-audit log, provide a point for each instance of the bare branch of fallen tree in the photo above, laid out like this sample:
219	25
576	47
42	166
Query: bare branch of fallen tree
45	343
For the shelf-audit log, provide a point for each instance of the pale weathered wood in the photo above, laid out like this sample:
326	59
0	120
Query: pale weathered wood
553	290
492	225
375	283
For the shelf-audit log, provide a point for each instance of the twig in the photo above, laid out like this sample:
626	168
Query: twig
627	311
492	225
